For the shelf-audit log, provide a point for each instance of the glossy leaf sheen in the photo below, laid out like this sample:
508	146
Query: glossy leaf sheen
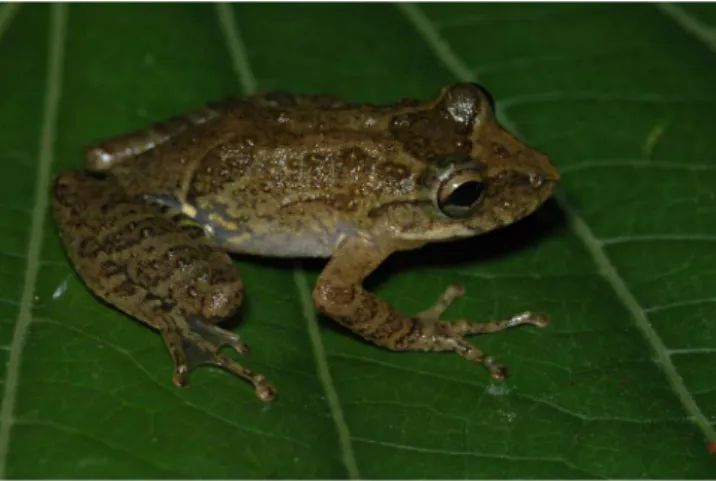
621	385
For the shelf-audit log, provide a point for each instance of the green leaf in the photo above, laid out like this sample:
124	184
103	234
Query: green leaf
622	97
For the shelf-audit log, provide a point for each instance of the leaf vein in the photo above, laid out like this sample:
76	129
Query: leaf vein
7	13
324	375
56	45
692	25
586	96
168	389
581	230
96	440
533	399
657	237
248	83
634	163
237	49
445	452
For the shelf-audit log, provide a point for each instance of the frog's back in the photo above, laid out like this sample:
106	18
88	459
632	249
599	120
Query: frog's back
278	180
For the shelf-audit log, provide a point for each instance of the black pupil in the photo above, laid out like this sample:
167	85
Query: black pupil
466	194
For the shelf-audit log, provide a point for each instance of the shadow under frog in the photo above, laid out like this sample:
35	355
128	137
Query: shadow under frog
148	224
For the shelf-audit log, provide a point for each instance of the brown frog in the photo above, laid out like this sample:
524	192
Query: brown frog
148	223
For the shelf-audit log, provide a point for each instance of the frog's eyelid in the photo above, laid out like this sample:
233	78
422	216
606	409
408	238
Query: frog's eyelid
490	99
487	94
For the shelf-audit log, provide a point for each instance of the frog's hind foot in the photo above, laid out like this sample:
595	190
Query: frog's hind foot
192	341
452	333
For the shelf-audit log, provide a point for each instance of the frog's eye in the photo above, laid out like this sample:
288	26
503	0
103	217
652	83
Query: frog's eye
467	102
487	94
458	195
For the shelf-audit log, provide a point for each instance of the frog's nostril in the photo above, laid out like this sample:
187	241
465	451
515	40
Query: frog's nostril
536	180
545	171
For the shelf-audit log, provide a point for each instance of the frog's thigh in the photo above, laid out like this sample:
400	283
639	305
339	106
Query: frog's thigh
113	151
339	293
168	276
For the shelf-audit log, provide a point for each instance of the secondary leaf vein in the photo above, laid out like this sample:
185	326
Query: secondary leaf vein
324	374
689	23
248	83
170	390
636	164
129	453
56	45
445	452
579	227
237	49
7	13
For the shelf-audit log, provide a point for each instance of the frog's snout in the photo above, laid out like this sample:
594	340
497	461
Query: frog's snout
544	170
543	177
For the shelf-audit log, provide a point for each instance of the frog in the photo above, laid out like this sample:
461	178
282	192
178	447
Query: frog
150	221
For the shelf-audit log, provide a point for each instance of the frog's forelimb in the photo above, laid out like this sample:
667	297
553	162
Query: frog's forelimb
339	294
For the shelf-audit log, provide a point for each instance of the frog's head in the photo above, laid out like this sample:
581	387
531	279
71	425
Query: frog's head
480	177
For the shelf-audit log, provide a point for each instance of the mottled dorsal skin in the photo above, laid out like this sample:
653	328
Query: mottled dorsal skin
288	175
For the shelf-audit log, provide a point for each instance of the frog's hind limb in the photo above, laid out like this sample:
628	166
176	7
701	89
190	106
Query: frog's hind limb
192	341
112	152
339	294
136	257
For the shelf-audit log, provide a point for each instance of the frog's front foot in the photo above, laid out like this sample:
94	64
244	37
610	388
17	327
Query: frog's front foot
193	341
451	334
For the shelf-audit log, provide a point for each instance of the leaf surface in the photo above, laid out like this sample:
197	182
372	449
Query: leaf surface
622	98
